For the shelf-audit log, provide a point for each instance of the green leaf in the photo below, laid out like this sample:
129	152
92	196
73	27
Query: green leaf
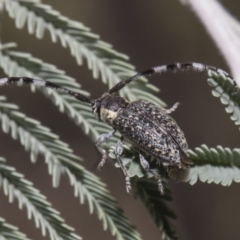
23	64
225	89
215	165
27	62
9	232
60	160
100	201
15	186
148	191
101	58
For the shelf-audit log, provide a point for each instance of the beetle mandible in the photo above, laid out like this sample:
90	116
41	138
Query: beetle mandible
146	126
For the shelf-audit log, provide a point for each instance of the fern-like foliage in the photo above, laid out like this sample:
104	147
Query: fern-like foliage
21	64
101	202
35	138
225	89
9	232
59	158
147	190
15	186
215	165
100	56
219	165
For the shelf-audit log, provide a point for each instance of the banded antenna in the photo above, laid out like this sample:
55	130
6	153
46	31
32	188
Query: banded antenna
174	67
43	83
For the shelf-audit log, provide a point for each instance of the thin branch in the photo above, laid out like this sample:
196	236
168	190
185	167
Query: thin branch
223	28
1	21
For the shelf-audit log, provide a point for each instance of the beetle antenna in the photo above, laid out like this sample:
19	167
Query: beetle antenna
174	67
43	83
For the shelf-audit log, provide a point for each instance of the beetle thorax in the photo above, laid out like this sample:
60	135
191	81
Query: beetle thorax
110	107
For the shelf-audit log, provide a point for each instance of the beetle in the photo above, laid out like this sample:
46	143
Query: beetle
148	127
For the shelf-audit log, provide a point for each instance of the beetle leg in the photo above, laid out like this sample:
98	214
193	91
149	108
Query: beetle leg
173	108
102	139
154	172
118	152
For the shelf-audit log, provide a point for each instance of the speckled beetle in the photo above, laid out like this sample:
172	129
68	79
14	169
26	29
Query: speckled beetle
146	126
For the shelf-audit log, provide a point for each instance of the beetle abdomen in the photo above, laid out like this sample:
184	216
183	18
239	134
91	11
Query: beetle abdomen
159	116
142	131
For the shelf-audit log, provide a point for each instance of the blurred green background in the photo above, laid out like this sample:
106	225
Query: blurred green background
151	33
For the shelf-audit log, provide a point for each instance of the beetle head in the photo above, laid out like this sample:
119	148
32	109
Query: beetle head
107	105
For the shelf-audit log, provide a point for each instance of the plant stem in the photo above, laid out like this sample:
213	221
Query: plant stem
223	28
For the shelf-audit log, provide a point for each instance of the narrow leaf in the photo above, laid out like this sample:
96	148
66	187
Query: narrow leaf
101	58
38	208
215	165
225	89
60	160
9	232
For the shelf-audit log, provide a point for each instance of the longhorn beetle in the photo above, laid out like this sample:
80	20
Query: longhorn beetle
146	126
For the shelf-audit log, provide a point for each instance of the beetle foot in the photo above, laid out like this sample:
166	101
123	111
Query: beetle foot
100	165
160	187
128	185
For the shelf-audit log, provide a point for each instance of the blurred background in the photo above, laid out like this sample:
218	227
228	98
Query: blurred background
151	33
